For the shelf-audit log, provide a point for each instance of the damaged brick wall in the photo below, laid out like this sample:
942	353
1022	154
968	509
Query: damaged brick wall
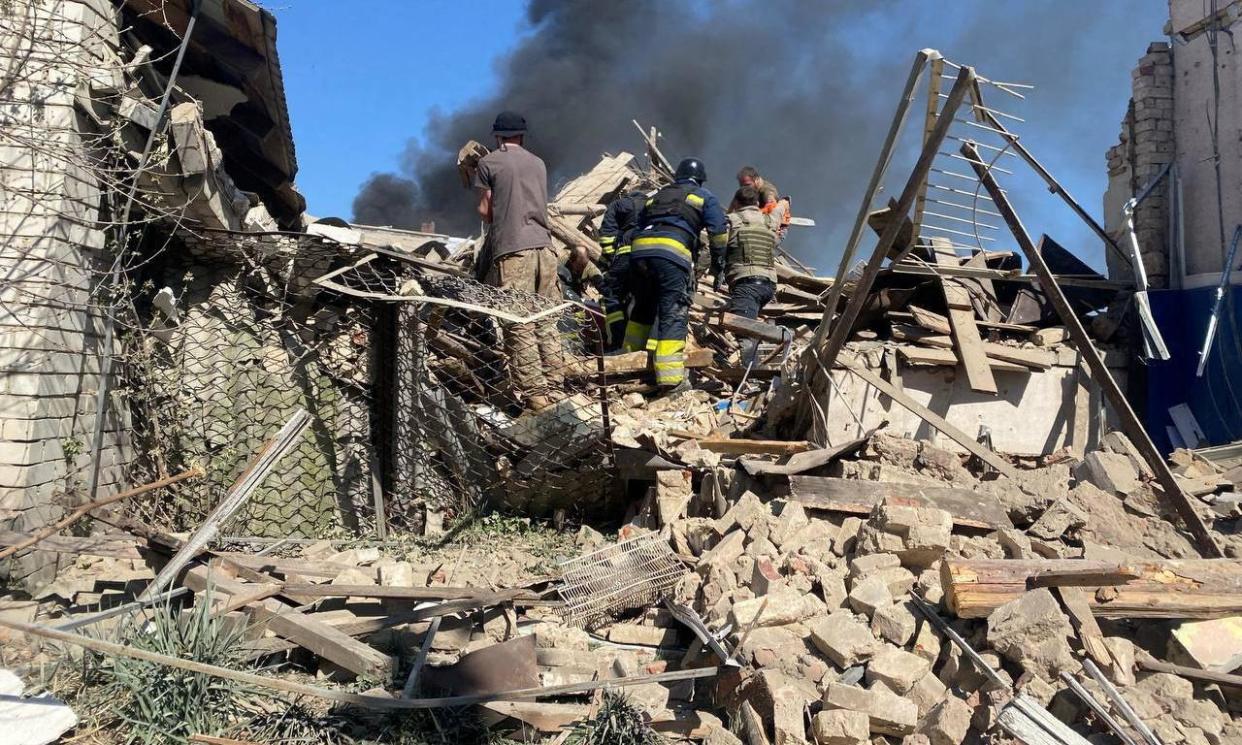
1146	146
53	254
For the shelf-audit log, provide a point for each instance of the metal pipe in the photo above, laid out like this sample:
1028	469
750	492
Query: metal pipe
1213	319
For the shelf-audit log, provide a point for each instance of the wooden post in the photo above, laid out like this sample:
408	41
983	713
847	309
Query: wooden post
1130	423
841	329
881	167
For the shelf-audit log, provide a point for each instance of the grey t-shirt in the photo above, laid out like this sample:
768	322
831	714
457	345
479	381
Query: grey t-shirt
518	181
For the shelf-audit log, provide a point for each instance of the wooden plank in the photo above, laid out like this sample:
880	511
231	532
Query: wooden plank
481	598
1178	589
742	326
1036	359
1130	423
1074	600
968	508
962	320
938	323
932	418
117	547
303	567
843	327
286	622
947	357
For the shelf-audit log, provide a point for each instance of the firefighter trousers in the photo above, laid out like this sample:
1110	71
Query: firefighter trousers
616	296
660	317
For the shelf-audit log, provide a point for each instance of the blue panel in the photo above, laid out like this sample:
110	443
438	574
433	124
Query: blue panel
1216	398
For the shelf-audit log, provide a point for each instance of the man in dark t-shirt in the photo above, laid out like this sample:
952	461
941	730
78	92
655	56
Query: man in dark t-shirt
512	184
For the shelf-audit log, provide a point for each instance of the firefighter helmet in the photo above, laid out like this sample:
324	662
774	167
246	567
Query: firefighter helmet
691	168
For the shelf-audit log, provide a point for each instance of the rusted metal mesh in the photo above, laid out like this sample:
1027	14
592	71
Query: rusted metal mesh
498	398
635	573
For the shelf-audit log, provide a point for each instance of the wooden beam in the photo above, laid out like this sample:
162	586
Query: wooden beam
968	508
1036	359
1191	588
931	417
842	328
281	619
962	320
743	326
1130	423
949	358
873	187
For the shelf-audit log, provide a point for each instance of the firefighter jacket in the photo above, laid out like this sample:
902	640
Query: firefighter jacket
669	224
751	247
618	226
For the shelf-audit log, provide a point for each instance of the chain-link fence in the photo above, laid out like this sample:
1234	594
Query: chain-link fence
227	344
499	396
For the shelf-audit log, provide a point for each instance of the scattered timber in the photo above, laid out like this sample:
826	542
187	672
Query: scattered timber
1194	588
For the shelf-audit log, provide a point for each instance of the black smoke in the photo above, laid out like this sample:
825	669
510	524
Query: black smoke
802	89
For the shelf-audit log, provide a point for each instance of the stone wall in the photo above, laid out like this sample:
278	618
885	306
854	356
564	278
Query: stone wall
1176	104
53	253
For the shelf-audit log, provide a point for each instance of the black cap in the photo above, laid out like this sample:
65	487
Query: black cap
508	124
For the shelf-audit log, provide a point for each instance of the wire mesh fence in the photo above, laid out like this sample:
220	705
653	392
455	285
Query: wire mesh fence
499	397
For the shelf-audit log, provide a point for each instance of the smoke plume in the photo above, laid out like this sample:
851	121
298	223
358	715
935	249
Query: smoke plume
803	90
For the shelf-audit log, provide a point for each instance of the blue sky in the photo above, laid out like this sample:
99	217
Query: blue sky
362	79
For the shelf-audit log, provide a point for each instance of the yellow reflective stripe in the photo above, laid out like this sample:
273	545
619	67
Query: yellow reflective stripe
668	347
657	241
649	201
615	316
636	336
720	239
624	249
608	240
694	199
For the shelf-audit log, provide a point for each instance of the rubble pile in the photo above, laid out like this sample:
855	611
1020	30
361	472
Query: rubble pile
811	606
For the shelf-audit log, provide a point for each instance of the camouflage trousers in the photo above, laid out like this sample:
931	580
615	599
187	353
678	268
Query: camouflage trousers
535	350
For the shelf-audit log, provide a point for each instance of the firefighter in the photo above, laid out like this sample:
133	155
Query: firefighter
661	275
615	234
747	260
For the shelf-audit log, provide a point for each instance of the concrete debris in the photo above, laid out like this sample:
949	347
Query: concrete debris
806	497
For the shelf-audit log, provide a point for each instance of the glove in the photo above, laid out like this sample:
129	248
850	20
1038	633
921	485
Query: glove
718	282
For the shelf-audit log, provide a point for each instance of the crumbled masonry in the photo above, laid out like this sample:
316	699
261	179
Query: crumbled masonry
907	504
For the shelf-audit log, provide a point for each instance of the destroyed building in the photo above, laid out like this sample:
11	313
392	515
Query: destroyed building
943	505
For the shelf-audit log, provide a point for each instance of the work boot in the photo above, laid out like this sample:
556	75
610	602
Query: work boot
676	390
